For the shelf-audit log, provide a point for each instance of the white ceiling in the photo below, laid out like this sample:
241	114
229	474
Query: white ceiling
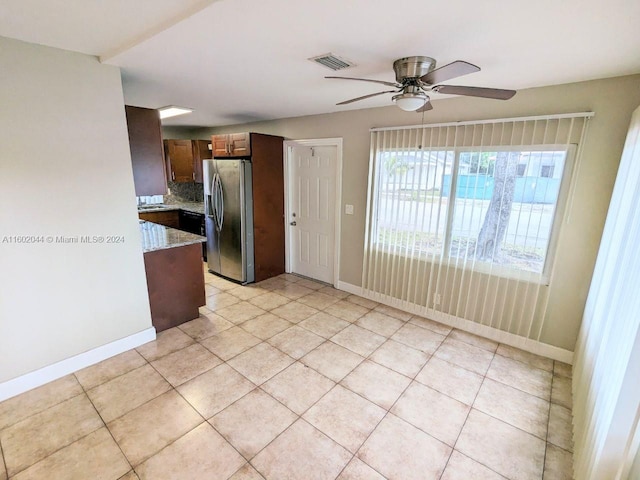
235	61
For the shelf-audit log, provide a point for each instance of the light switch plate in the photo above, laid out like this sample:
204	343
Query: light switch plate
348	209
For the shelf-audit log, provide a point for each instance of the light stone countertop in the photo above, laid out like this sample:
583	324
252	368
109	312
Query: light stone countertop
159	237
195	207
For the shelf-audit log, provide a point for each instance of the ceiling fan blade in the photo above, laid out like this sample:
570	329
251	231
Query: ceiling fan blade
364	96
426	107
496	93
447	72
388	84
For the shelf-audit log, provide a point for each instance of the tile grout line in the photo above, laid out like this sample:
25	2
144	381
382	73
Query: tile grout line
84	392
44	410
453	449
75	441
3	460
502	420
62	447
204	420
207	420
551	403
546	439
333	343
105	423
388	411
494	380
387	338
172	388
470	407
517	388
325	340
300	417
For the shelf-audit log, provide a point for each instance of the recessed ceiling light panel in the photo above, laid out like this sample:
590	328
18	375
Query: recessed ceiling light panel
173	111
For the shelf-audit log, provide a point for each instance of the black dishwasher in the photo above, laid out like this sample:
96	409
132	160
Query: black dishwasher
194	223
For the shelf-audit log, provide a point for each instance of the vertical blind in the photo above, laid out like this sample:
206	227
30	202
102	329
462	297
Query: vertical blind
462	218
606	376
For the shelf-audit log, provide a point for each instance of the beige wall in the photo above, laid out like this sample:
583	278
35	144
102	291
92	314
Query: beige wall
65	170
635	468
612	100
176	133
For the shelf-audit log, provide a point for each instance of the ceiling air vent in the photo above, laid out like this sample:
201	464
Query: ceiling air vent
332	61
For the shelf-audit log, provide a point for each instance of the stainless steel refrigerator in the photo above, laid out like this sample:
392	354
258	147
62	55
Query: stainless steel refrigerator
228	203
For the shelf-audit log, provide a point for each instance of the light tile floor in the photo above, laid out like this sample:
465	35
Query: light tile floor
291	379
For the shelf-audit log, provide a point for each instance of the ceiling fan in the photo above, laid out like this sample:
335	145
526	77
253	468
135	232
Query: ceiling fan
415	76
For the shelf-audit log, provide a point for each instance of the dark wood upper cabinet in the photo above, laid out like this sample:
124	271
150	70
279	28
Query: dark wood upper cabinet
145	143
231	145
184	159
179	155
240	144
201	151
220	145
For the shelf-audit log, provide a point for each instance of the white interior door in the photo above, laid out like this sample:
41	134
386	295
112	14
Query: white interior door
312	210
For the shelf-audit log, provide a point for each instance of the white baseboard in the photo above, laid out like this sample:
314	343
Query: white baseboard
47	374
348	287
491	333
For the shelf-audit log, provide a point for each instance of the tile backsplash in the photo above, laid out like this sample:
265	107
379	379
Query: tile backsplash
178	193
184	192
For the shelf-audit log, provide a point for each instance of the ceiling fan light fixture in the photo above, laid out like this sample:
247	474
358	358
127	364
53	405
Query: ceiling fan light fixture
410	102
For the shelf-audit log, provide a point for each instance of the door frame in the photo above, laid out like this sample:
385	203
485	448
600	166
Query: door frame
315	142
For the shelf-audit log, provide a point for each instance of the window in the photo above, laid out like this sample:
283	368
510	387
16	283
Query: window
496	206
463	217
410	194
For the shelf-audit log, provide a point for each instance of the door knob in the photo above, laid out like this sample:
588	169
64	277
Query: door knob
293	224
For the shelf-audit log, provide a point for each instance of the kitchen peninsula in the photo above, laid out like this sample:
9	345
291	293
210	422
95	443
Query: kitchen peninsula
175	279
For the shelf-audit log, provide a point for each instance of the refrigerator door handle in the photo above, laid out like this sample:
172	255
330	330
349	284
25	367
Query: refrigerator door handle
207	205
212	197
243	229
221	213
216	199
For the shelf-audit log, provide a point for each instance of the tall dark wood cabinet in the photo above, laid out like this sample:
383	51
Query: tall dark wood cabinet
147	158
268	204
266	154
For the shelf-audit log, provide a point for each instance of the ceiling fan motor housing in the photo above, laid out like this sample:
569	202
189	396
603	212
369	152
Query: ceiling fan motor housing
412	67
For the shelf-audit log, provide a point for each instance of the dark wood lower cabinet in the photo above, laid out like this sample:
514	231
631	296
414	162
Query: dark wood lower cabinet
175	281
170	218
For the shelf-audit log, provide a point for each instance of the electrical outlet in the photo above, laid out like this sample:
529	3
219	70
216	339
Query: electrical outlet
348	209
436	299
